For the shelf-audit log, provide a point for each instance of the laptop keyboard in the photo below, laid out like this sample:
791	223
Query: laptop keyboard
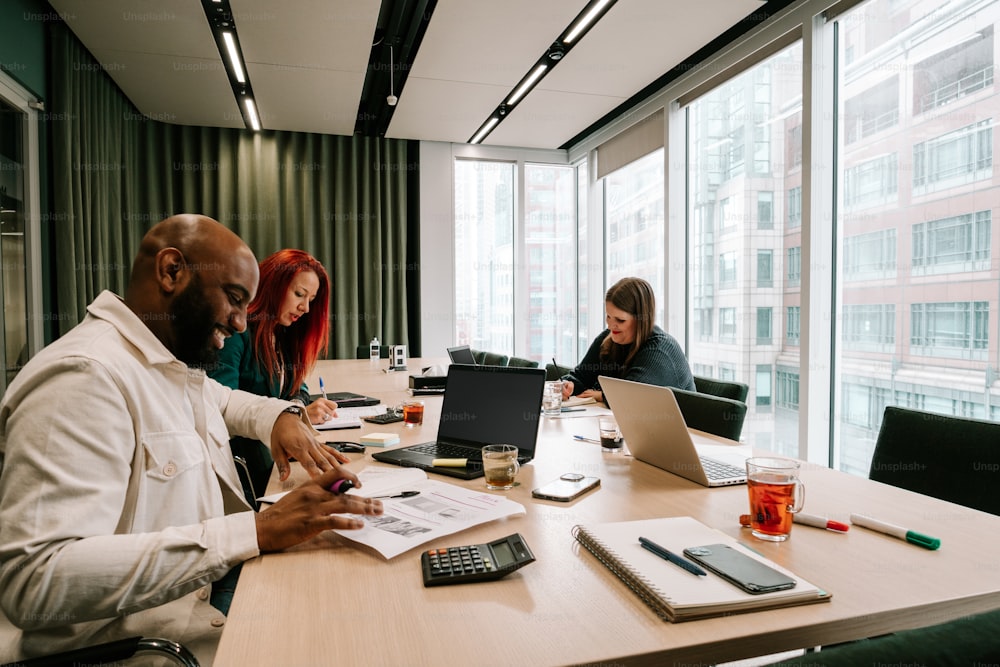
720	470
445	451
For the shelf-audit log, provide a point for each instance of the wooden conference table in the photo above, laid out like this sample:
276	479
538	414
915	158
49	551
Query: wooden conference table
334	602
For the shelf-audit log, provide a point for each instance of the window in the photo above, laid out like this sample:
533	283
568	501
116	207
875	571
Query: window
958	243
765	210
871	183
727	270
795	206
786	385
764	326
727	325
960	156
870	256
792	325
955	72
794	274
944	329
870	327
873	110
762	389
764	262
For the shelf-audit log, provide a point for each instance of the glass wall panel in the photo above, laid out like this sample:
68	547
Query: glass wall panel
13	258
744	241
918	286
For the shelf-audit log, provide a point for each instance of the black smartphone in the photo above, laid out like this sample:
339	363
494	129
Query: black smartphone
740	569
566	488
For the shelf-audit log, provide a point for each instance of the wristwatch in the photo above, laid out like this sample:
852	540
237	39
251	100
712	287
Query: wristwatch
294	410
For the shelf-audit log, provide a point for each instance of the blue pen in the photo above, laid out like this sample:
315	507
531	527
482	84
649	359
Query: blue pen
580	437
573	409
666	554
322	389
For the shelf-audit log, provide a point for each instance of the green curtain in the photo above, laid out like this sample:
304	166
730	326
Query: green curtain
350	201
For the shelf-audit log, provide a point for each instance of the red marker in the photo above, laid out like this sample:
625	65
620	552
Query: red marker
809	520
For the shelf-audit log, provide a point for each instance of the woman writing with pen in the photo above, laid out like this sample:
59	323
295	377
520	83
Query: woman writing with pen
287	328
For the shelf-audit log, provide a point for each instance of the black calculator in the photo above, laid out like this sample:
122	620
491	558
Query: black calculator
475	562
388	417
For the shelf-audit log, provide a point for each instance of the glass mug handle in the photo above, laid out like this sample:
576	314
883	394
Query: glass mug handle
799	498
517	467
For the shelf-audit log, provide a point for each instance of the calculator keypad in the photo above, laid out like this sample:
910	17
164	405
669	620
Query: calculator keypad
475	562
458	561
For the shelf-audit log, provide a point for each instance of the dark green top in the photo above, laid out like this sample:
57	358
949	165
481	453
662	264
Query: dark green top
237	369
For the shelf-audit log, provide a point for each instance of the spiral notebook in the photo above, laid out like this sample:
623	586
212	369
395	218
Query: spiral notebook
670	591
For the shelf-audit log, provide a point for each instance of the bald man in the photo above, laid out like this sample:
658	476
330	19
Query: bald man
119	500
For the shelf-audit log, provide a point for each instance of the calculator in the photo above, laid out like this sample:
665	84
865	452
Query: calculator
475	562
388	417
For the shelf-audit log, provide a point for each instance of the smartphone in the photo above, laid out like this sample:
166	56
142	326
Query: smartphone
740	569
566	488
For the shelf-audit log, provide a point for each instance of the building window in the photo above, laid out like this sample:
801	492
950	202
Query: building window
765	261
727	325
870	327
786	388
950	329
871	183
871	255
762	388
792	324
765	209
764	326
703	323
962	156
794	266
950	245
872	111
954	73
795	206
727	270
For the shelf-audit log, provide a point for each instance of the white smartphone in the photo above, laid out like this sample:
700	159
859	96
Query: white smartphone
567	487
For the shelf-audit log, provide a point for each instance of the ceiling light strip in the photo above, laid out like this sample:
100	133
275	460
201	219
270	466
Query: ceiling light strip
220	20
583	22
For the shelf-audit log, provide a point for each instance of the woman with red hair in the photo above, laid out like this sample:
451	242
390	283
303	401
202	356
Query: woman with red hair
287	329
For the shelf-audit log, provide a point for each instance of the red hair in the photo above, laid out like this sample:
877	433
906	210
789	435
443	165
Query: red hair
300	344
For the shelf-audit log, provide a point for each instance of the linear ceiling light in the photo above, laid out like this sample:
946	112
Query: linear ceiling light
220	20
583	22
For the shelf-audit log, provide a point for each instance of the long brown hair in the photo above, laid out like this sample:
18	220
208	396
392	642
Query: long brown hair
635	297
299	344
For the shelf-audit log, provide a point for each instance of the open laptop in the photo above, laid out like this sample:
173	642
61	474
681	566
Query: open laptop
483	405
461	354
654	430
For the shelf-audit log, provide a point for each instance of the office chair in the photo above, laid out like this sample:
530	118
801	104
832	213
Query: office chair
490	358
364	351
951	458
555	371
712	414
522	363
726	389
114	653
971	640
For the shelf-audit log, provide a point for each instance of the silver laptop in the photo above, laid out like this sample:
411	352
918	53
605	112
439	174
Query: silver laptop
654	430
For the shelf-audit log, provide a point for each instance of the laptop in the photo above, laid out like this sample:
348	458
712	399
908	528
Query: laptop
654	430
461	355
483	405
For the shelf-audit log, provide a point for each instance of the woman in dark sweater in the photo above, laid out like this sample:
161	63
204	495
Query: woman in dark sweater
632	347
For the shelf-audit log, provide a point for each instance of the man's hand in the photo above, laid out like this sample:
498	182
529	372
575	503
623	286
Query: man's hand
310	509
291	438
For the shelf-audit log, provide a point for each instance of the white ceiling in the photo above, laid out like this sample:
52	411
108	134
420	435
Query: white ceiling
307	61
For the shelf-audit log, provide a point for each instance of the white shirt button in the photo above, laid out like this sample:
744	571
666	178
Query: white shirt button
170	469
218	622
203	594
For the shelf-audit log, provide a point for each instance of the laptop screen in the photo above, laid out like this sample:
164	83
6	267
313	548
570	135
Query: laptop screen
492	404
461	355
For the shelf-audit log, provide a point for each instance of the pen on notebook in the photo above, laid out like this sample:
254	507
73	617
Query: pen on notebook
913	537
580	437
808	520
401	494
573	409
666	554
322	388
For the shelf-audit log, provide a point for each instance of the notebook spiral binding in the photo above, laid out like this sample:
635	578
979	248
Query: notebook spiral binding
648	593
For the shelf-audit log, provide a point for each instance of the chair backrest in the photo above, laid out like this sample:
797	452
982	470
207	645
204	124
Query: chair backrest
951	458
724	388
364	351
522	363
712	414
490	358
554	371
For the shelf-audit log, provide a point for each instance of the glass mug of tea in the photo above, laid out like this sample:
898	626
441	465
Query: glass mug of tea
776	493
500	466
413	413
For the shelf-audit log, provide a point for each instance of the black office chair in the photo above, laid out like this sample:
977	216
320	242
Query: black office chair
113	653
712	414
951	458
726	389
972	640
490	358
522	363
555	371
364	351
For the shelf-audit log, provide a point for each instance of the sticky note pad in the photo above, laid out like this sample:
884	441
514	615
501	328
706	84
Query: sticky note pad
449	463
380	439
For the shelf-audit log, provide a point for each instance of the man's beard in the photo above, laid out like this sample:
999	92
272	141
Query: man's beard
193	324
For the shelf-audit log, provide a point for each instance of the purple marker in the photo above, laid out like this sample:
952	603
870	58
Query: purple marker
341	486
